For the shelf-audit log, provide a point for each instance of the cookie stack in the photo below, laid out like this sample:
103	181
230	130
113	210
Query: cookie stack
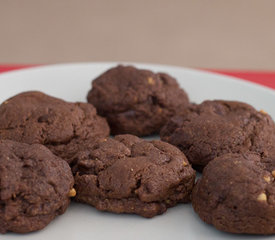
52	151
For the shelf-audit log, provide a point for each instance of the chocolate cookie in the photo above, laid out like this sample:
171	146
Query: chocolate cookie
34	117
237	194
130	175
136	101
217	127
35	186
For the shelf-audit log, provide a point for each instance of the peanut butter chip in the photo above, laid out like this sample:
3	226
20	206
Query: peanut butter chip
273	173
267	178
151	81
72	193
184	163
263	112
262	197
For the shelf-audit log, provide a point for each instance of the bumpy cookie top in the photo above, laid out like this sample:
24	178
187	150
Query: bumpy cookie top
136	101
34	186
128	168
34	117
237	194
217	127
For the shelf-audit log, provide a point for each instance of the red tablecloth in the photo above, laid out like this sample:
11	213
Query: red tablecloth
263	78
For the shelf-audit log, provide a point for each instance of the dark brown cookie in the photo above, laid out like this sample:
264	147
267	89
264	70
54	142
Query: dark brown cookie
217	127
136	101
35	186
34	117
130	175
237	194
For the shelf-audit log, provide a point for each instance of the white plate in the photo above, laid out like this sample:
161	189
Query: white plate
72	82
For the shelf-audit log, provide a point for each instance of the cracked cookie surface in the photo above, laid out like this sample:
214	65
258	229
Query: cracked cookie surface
217	127
130	175
34	186
136	101
237	194
34	117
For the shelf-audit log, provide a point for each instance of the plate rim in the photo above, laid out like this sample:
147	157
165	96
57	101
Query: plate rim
223	77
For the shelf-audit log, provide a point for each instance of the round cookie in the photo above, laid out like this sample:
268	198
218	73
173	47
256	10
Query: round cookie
217	127
136	101
237	194
35	186
34	117
130	175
